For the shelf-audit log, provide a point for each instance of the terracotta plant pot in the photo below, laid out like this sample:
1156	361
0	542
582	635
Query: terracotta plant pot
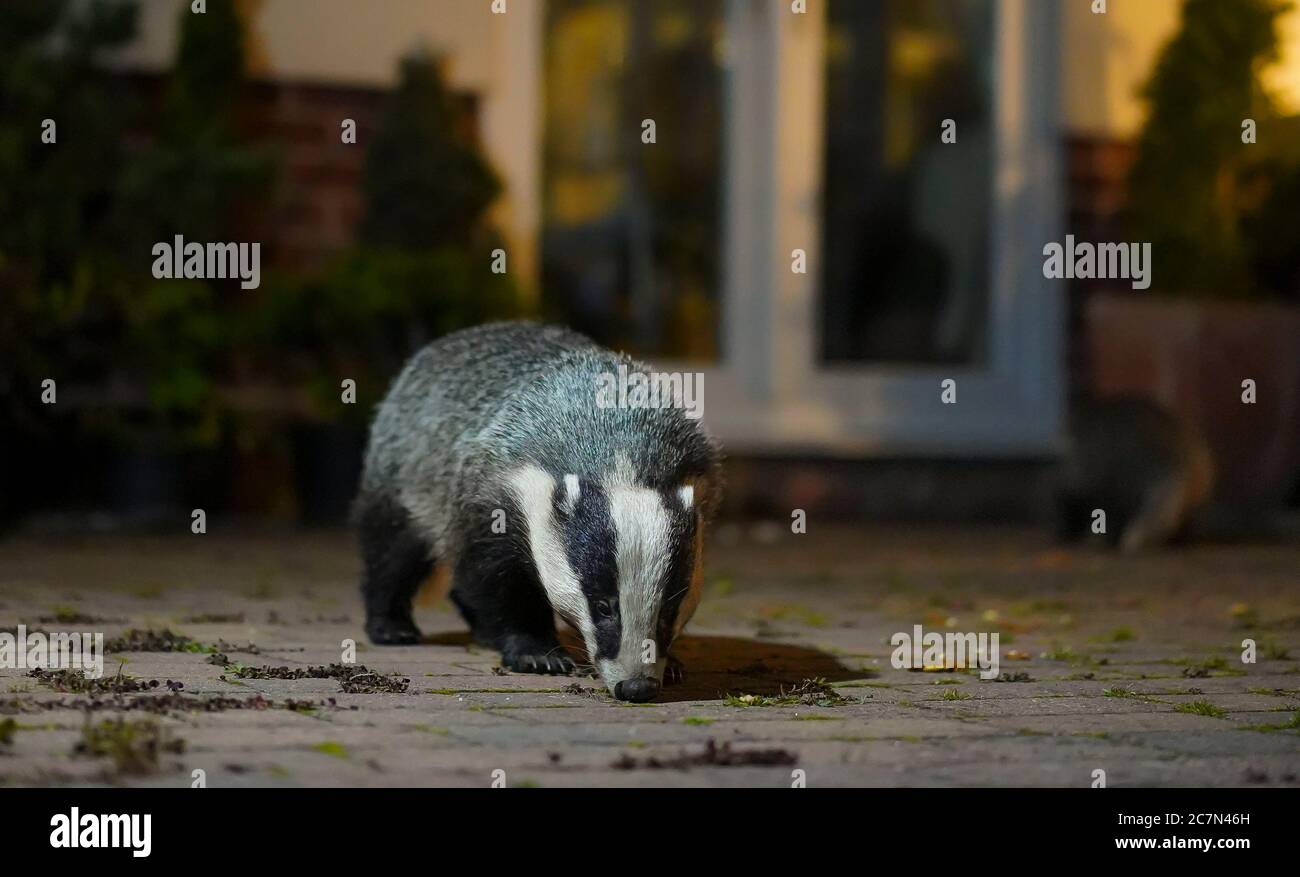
1192	357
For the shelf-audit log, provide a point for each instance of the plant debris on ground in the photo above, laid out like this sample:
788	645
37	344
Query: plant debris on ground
125	693
216	618
133	746
355	678
164	640
163	704
713	755
246	648
68	615
76	682
810	692
1213	665
575	688
135	640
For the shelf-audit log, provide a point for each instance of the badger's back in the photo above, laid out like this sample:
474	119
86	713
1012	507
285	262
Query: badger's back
472	405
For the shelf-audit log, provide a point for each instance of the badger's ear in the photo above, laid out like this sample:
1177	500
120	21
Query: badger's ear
572	493
686	493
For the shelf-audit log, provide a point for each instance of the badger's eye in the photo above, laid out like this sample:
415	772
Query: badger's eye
605	609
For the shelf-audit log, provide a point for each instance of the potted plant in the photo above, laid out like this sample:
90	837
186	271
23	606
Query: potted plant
421	268
61	126
1220	326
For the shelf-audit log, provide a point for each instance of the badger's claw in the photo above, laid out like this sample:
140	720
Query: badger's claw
554	664
674	671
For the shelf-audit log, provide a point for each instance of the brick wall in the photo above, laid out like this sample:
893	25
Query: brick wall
1096	192
318	203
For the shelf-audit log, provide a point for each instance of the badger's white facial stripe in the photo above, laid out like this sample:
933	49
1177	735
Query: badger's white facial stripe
571	493
642	546
533	489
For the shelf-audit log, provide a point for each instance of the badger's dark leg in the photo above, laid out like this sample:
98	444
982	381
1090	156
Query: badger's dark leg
498	592
674	670
396	560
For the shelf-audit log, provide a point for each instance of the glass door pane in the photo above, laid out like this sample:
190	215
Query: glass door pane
631	237
906	216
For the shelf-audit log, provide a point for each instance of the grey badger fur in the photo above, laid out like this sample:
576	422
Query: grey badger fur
491	457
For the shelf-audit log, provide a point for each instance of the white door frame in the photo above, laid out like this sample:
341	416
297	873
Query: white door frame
769	393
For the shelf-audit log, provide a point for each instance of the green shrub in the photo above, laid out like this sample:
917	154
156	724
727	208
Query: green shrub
1218	212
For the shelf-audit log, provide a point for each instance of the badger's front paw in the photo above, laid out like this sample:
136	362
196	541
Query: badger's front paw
520	662
392	631
674	671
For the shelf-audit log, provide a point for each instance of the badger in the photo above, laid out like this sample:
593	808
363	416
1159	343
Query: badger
1150	471
494	457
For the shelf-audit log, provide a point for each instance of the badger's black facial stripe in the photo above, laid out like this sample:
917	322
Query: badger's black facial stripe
681	566
589	545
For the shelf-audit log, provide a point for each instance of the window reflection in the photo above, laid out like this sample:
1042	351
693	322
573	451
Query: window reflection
906	216
631	240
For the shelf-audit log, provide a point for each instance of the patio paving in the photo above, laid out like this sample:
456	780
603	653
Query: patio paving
1131	666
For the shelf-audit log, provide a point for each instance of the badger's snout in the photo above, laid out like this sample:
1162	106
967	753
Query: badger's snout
637	690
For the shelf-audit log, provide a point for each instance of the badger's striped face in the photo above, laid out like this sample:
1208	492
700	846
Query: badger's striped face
619	562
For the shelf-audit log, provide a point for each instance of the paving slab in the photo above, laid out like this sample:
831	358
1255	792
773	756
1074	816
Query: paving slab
1128	664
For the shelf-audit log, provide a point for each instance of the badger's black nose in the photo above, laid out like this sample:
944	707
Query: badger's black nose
637	690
